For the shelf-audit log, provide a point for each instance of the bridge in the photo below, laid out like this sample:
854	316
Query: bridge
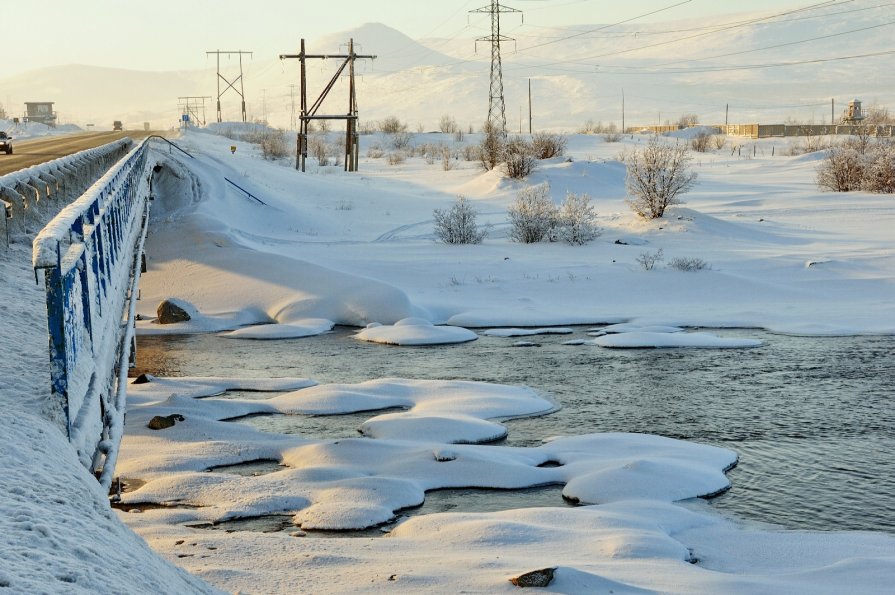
89	258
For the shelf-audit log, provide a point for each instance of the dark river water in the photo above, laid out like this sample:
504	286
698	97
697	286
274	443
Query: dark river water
812	419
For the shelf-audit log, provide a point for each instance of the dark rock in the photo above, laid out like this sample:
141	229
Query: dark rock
141	379
621	242
162	422
169	313
535	578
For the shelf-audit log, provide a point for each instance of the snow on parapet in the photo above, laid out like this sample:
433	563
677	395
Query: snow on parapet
46	245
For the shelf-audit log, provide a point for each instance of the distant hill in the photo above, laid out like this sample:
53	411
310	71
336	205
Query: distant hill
576	73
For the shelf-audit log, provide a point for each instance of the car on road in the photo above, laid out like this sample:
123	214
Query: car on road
5	143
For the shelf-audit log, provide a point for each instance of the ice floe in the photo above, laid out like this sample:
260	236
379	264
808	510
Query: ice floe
416	331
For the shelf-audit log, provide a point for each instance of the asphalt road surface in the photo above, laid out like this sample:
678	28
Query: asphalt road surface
33	151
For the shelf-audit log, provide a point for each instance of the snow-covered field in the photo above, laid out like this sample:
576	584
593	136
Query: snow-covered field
332	248
26	130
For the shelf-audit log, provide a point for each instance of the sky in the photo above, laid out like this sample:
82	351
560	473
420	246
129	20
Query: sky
175	35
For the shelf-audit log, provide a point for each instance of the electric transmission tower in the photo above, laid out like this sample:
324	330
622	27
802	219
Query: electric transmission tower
230	84
497	117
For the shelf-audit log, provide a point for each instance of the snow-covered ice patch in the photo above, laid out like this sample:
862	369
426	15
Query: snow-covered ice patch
307	327
416	331
640	339
449	428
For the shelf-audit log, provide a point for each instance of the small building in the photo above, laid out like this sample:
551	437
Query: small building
854	113
40	111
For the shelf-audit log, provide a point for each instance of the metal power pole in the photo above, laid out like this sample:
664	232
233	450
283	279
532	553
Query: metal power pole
497	117
230	84
310	113
191	106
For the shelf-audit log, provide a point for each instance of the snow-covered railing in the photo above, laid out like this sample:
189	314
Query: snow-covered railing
90	254
30	195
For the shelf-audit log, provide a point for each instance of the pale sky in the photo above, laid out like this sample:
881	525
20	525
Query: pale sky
175	34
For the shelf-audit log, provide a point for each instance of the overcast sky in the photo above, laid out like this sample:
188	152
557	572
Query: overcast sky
175	34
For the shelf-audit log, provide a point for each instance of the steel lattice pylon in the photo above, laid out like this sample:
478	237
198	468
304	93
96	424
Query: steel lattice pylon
497	117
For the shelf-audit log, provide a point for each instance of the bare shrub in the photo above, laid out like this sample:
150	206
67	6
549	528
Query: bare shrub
700	142
491	149
533	216
546	145
841	171
718	142
656	176
459	135
472	153
577	220
612	137
447	124
396	158
272	143
318	149
688	264
375	151
649	260
390	125
401	140
520	159
447	160
457	225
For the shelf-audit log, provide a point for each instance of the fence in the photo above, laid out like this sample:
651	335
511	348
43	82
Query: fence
90	257
29	196
772	130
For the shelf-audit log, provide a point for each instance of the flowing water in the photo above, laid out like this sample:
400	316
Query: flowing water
811	418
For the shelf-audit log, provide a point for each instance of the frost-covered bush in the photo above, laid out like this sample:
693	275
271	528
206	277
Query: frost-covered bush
401	140
649	260
457	225
533	215
447	160
472	153
879	175
688	264
842	170
520	159
656	176
375	152
546	145
577	220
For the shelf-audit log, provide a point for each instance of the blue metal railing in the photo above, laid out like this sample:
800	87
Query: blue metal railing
90	256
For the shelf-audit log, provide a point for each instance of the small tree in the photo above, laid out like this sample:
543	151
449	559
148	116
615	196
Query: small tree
656	176
390	125
533	216
447	124
700	142
688	120
457	225
577	217
879	175
520	159
492	147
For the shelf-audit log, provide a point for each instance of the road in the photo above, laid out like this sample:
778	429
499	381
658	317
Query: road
34	151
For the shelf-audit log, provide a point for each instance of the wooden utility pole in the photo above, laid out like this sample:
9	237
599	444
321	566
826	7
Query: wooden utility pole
832	111
309	114
529	106
623	111
230	84
726	114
